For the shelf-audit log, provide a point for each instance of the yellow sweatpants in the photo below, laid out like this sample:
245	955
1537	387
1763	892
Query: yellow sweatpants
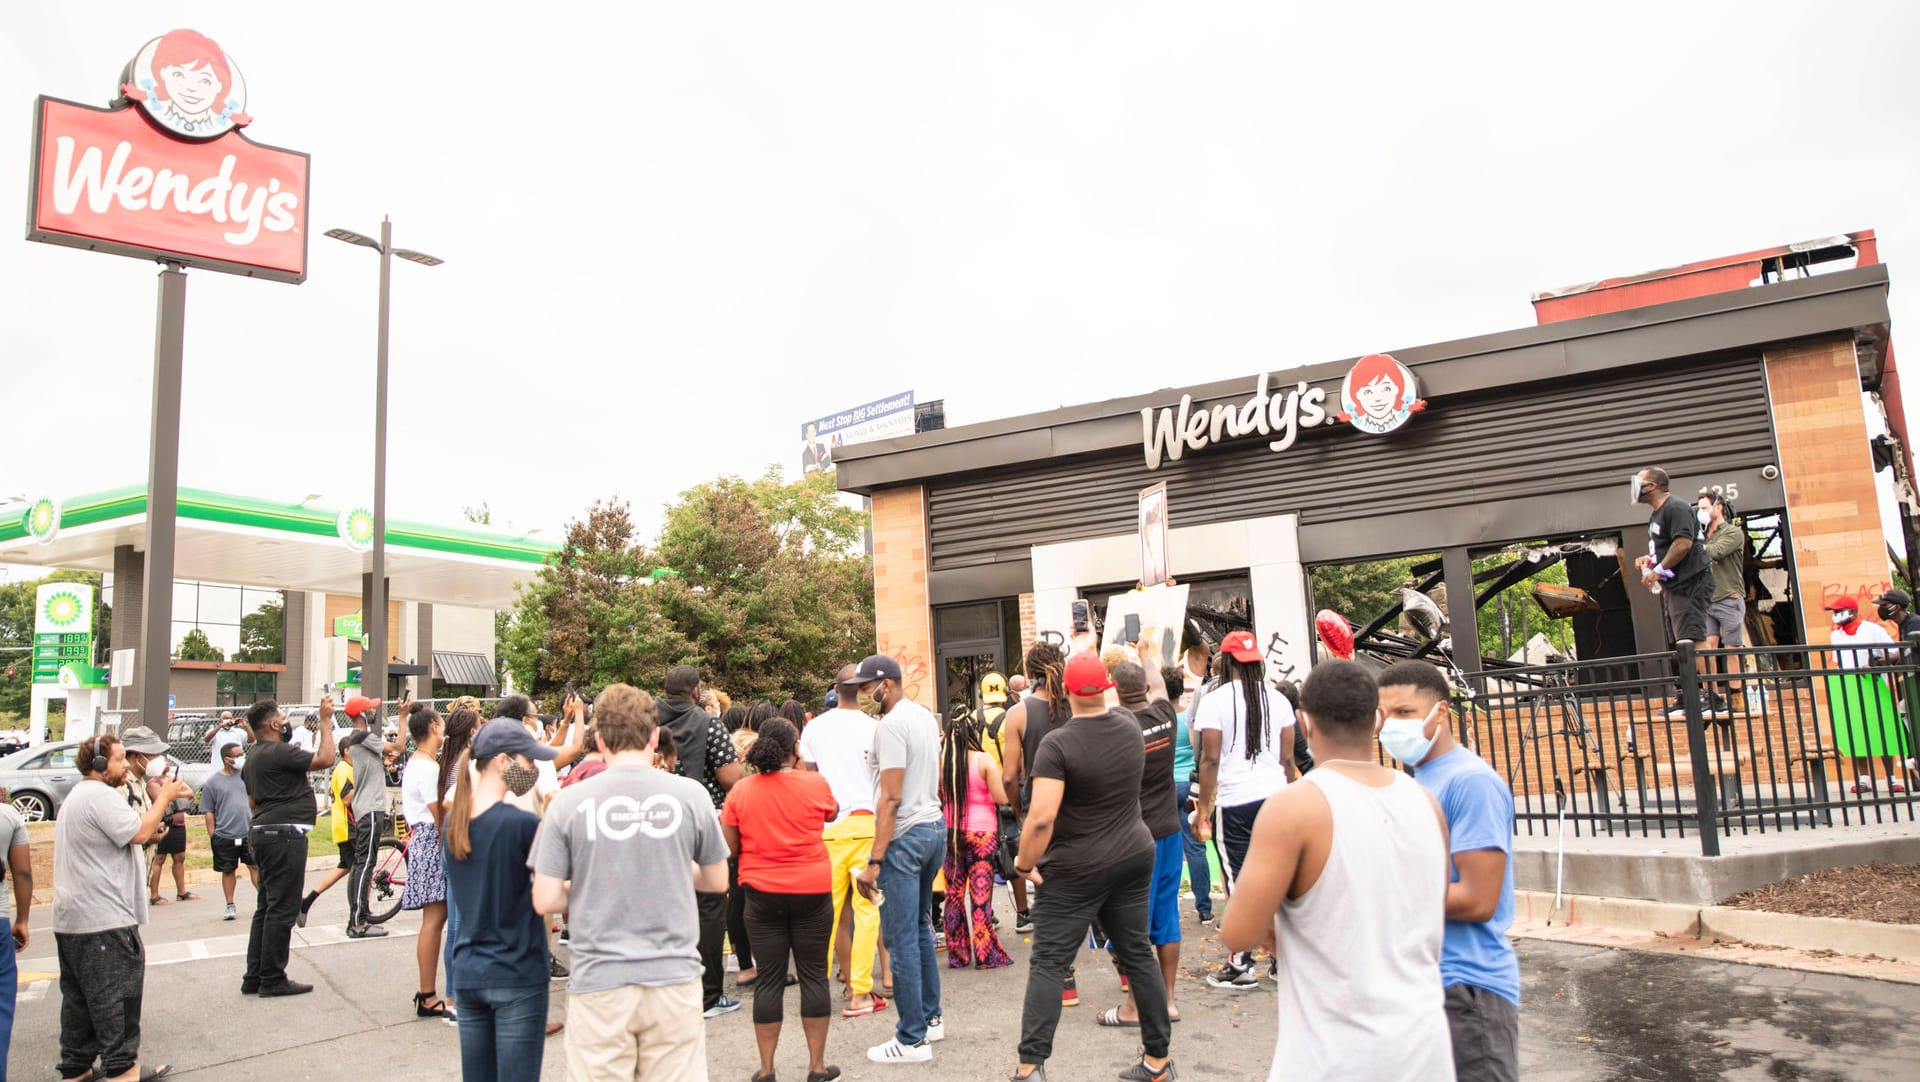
849	843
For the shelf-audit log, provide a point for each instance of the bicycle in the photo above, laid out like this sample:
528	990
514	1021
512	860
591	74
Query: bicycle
389	882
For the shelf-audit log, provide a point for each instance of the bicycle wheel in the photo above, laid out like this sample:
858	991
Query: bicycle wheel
389	881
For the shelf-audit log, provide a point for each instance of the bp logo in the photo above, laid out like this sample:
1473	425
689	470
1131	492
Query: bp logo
356	528
61	609
43	520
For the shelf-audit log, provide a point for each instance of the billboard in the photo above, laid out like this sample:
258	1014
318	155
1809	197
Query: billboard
878	420
63	636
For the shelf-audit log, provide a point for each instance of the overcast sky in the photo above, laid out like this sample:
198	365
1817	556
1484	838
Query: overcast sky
673	232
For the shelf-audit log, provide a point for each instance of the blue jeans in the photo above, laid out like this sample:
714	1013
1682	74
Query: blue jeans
503	1033
9	989
446	946
1197	871
907	871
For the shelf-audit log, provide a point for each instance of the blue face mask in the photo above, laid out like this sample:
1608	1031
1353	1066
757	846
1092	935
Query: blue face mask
1406	739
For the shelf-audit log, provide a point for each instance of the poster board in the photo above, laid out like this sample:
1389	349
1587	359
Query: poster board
1153	534
1157	614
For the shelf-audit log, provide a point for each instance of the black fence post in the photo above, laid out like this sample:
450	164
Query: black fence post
1706	797
1910	672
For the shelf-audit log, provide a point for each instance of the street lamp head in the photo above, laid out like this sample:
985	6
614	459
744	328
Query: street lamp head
351	237
421	258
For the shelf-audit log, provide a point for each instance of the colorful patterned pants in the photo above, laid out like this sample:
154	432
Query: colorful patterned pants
970	881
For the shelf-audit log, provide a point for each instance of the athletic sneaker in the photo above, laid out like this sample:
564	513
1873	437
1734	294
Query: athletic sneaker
1236	975
895	1052
1676	710
305	904
1140	1072
939	941
1070	992
723	1005
936	1029
555	970
231	915
1022	922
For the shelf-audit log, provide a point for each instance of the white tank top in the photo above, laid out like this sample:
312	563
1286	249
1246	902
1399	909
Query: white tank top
1359	981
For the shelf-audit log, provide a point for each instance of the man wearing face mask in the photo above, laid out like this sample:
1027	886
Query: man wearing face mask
1676	567
1727	613
1478	964
1866	724
1893	607
283	814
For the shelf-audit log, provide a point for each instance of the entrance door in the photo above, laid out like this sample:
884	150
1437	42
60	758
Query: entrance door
962	664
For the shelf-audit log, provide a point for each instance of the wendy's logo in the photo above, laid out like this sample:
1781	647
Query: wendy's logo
1378	395
188	85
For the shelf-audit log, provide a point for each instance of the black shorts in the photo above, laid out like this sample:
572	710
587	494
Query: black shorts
227	857
1686	605
175	841
347	849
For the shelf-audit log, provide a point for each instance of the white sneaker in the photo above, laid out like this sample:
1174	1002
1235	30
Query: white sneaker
231	914
895	1052
936	1030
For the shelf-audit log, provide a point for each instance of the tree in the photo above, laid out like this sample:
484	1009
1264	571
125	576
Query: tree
1360	592
768	592
195	647
263	634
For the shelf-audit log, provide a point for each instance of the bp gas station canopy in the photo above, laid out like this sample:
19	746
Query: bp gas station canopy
252	542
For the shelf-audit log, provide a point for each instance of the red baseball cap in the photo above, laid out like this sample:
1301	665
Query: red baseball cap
1240	647
358	705
1846	603
1086	675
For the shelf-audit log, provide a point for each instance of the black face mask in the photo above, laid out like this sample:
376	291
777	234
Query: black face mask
1886	612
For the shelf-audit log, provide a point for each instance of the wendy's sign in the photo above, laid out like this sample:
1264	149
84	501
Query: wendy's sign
166	175
1377	396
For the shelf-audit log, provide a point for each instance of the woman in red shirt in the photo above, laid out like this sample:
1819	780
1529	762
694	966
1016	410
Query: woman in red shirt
772	820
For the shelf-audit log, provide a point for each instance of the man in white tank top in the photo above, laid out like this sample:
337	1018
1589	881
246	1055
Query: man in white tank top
1346	876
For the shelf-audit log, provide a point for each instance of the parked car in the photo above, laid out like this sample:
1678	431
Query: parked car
38	779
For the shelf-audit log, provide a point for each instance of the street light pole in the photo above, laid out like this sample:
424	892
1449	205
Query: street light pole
373	659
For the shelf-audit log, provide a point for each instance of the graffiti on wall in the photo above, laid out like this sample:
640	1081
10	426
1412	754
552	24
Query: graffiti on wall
913	669
1278	659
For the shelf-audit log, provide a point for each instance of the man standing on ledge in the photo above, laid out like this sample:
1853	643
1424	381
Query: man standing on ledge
276	775
1676	567
909	845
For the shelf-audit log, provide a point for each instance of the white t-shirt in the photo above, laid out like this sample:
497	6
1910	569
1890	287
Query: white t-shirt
223	737
836	743
1243	780
418	785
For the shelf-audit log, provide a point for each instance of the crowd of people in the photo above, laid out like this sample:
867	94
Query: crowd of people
851	848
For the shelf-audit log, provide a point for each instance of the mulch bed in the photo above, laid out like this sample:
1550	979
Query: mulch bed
1888	893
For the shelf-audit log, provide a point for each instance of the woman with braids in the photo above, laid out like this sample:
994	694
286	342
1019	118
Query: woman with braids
1245	756
1030	719
423	806
971	793
772	821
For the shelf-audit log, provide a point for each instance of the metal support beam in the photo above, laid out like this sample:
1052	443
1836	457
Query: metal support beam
1464	626
373	660
163	500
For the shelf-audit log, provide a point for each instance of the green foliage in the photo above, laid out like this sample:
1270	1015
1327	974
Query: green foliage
770	594
1362	591
195	647
263	634
16	629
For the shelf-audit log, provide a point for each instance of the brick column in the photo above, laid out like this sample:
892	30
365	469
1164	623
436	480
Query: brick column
1827	470
1029	631
903	620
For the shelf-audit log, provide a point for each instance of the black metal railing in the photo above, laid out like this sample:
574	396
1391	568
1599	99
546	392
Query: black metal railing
1705	742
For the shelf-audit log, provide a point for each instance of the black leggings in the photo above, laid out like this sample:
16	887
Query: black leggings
737	932
800	924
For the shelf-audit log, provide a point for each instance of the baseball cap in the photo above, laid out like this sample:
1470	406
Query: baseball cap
1087	675
1895	596
877	668
1839	603
1239	646
358	705
507	736
993	688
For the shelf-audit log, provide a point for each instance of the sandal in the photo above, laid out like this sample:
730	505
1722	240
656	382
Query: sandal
149	1074
878	1006
1111	1019
155	899
188	897
758	1077
827	1075
436	1009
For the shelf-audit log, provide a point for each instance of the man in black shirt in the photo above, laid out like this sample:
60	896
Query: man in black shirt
1086	843
1676	565
283	806
1145	694
706	756
1895	607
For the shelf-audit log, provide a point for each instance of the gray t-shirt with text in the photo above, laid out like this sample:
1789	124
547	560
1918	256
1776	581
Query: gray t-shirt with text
97	885
628	838
908	739
225	795
13	831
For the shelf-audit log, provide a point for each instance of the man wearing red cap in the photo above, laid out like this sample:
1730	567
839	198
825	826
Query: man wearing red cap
1085	841
1866	724
366	749
1245	756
